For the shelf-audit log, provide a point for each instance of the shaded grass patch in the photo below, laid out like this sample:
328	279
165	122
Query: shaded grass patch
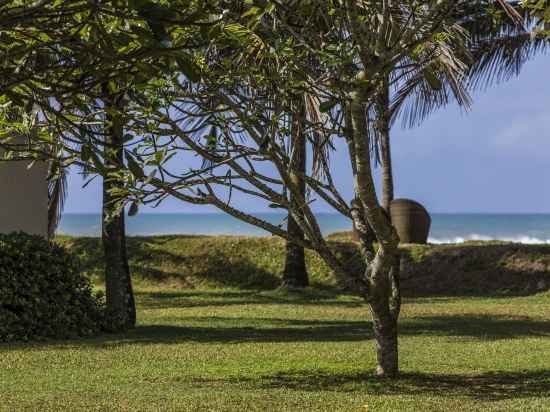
233	350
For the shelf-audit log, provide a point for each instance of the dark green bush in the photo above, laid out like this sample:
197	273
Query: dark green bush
42	293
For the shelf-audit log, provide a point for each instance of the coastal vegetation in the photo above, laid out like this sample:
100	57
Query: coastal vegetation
210	101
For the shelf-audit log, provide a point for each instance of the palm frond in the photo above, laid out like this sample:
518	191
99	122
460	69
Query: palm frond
511	12
419	89
497	49
319	138
499	59
57	194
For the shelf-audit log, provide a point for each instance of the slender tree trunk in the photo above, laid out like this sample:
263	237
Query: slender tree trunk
385	148
383	293
382	273
121	311
132	315
295	274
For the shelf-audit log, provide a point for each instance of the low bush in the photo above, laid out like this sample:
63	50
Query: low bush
42	293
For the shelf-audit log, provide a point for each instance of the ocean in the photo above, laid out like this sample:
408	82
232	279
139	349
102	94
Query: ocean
446	227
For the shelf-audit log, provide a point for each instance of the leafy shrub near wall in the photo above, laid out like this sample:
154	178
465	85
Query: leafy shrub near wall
42	293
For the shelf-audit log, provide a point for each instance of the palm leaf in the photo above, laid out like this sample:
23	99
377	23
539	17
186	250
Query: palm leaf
57	194
500	59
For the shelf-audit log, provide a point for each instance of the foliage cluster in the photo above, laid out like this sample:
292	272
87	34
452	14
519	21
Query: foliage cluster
43	294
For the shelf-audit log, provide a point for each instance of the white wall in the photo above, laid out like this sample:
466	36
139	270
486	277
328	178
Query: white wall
23	198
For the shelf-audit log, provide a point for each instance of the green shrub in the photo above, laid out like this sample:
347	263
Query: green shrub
42	293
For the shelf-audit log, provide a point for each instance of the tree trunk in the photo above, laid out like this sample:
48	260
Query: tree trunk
121	311
132	315
385	148
382	273
384	300
295	274
387	173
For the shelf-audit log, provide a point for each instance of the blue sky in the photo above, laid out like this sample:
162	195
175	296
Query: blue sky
493	159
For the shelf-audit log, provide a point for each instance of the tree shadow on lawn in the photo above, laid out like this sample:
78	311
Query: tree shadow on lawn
482	327
482	269
213	268
150	262
317	296
476	270
490	386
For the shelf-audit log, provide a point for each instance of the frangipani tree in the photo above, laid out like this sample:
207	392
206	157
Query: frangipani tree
27	52
76	64
410	39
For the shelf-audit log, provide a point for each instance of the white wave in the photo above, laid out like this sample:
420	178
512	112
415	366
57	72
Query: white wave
524	239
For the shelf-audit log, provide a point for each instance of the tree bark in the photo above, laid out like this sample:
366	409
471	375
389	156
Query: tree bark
384	303
385	148
295	273
132	315
121	311
382	273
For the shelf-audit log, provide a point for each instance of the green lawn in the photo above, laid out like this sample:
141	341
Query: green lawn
238	350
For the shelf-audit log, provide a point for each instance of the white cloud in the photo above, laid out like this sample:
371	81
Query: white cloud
527	134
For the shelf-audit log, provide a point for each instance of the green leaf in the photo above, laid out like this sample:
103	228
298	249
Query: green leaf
99	164
134	167
159	156
432	80
251	11
188	67
85	153
326	106
134	208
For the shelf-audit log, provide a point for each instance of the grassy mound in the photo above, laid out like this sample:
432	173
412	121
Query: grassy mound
474	268
477	268
201	261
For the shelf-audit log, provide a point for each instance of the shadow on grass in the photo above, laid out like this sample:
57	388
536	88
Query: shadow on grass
151	259
299	330
476	269
293	331
214	298
483	327
481	269
233	330
492	386
169	334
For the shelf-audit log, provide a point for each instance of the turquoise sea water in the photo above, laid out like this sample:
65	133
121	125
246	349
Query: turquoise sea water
446	228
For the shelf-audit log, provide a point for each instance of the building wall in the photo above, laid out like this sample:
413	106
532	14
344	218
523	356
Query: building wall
23	198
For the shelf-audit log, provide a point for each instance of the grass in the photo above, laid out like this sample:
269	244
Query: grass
205	262
236	350
197	261
215	334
